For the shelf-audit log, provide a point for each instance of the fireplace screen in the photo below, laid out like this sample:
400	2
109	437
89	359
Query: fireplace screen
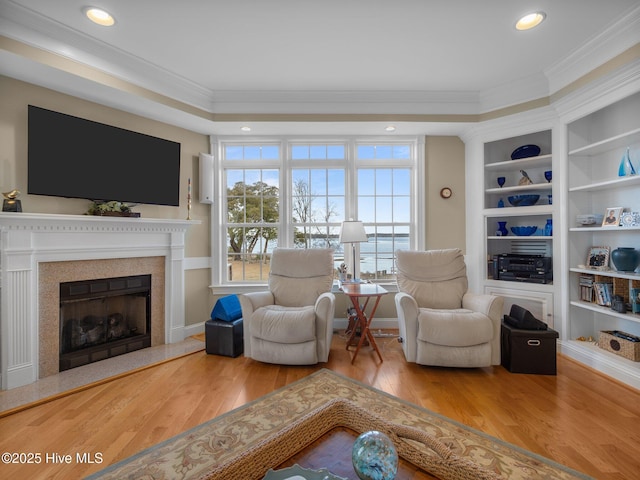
103	318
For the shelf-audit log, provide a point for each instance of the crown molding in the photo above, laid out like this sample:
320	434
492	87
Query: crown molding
26	26
174	93
614	40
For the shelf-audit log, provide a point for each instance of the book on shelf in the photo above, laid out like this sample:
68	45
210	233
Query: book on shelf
603	293
586	288
634	297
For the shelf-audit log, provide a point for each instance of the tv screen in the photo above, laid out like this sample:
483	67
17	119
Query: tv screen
78	158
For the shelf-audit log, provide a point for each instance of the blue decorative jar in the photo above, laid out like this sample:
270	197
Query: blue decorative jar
374	457
625	259
502	229
548	228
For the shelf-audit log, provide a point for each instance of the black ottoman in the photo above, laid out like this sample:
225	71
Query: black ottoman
528	351
224	338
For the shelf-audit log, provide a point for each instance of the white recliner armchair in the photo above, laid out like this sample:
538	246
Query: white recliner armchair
441	324
292	323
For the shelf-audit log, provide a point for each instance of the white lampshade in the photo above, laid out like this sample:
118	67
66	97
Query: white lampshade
352	232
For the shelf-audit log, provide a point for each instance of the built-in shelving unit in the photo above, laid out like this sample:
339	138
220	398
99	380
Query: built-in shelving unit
596	144
537	297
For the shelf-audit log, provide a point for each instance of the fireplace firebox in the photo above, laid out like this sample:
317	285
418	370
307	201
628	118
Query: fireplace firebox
103	318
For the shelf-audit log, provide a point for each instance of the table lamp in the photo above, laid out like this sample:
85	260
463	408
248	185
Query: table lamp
353	232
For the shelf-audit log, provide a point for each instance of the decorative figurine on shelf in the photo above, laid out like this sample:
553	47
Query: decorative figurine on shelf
626	167
525	180
11	202
548	175
501	181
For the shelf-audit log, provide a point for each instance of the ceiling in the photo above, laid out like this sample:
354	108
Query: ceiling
357	57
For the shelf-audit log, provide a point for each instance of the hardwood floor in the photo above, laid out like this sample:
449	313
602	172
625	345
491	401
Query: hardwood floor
578	418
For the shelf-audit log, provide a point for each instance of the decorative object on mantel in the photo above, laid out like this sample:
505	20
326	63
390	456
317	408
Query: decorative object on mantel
11	202
189	199
525	151
625	259
626	166
111	209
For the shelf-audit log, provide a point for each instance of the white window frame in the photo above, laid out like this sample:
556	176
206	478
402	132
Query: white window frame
219	283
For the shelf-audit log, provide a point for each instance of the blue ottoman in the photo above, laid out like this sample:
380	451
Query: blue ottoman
224	338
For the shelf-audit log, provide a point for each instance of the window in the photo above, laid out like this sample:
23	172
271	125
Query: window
291	193
252	210
384	205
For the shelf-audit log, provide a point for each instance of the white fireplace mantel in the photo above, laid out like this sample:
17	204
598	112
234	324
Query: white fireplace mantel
27	239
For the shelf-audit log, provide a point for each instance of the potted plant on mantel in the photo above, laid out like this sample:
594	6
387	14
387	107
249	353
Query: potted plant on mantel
111	209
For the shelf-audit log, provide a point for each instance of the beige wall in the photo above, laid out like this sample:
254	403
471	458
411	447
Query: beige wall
16	95
444	166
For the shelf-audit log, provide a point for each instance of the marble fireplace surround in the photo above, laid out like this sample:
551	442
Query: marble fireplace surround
39	249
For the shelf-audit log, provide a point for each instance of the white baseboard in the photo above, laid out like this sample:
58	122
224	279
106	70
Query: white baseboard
195	329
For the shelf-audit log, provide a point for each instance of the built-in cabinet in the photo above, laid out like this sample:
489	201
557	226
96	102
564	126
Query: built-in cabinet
596	144
505	180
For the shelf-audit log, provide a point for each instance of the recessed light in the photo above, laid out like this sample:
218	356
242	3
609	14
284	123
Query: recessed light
530	20
390	128
245	128
99	16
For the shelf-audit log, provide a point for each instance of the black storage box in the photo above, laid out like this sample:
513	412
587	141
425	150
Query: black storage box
224	338
528	351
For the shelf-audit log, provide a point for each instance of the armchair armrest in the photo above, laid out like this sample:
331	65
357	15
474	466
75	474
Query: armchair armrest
407	309
249	303
325	311
490	305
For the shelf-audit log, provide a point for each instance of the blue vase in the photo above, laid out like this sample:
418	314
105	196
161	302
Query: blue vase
502	229
625	259
548	228
626	167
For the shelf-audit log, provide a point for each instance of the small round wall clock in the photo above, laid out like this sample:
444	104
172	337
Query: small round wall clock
446	192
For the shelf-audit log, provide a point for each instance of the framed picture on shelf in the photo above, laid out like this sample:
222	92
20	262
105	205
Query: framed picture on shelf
598	258
612	217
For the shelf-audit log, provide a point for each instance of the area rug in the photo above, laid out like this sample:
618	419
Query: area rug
246	442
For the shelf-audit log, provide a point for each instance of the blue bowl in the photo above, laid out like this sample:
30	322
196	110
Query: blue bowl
525	151
523	200
524	231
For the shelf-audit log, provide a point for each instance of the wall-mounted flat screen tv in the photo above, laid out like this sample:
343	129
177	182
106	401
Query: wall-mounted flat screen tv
77	158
